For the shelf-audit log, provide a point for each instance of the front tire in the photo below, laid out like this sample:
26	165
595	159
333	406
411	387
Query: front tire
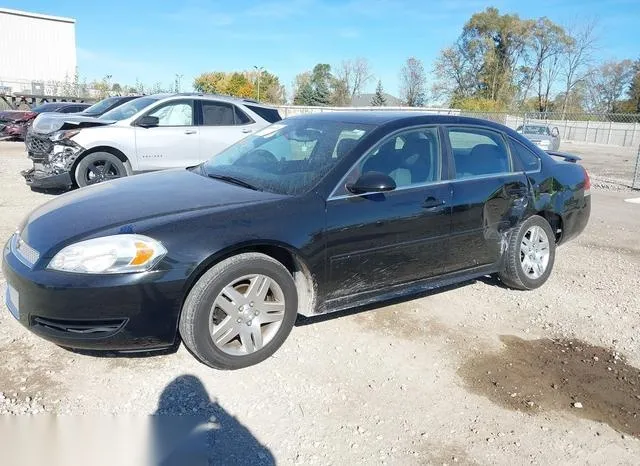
530	255
98	167
239	312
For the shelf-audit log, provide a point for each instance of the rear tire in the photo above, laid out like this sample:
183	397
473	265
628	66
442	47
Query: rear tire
98	167
530	255
239	312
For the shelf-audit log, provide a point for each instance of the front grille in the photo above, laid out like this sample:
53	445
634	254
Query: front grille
27	255
38	145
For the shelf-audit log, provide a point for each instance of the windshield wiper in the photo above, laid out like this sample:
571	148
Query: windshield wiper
232	180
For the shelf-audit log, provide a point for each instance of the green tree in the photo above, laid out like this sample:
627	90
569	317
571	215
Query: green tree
378	99
320	80
211	83
305	95
634	90
340	96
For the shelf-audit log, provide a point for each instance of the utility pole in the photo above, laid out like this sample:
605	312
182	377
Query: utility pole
177	83
259	70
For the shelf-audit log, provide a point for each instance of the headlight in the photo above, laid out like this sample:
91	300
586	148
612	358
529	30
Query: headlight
65	134
544	143
109	254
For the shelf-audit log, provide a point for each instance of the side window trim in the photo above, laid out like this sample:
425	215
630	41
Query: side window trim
379	143
162	104
500	134
235	116
512	140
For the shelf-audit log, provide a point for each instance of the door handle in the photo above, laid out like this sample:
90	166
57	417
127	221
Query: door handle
189	131
432	203
247	130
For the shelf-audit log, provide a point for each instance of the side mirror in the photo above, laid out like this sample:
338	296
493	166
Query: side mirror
372	182
148	121
555	132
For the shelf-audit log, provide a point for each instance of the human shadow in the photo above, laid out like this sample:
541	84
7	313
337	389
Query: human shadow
190	429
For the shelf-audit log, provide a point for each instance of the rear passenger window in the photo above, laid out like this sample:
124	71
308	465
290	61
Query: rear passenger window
217	113
478	152
529	161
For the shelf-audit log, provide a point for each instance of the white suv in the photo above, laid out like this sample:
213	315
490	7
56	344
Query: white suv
148	133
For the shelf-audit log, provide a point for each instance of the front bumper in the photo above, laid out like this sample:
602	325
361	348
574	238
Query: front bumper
44	177
120	312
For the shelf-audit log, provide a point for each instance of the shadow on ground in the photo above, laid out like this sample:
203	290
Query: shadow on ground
190	429
541	375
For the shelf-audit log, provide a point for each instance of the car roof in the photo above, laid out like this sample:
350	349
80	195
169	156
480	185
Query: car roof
217	97
381	117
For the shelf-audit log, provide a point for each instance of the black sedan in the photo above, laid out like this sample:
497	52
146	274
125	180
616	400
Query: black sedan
313	214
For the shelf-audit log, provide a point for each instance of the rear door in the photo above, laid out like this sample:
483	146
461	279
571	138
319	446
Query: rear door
174	142
221	125
489	196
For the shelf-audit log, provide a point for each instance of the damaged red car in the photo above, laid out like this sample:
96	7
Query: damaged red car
14	123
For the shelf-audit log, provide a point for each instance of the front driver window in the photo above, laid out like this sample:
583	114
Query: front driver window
174	114
409	158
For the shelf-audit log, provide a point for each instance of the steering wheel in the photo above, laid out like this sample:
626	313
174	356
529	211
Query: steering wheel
258	157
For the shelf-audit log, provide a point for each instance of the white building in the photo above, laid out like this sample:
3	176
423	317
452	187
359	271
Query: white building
36	51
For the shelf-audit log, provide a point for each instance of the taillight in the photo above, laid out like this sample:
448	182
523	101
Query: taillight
587	182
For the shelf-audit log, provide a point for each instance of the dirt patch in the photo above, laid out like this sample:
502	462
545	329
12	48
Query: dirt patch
401	322
619	250
447	455
535	375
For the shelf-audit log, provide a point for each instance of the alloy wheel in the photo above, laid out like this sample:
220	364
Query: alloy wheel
246	315
101	170
534	252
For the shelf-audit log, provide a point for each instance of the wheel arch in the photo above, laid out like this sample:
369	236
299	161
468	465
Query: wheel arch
109	149
306	284
555	221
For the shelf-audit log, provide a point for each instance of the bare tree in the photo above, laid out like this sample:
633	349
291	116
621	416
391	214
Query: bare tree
412	83
547	41
355	74
608	83
577	58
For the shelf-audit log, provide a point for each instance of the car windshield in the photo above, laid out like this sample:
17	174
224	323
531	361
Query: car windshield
129	109
288	157
534	129
101	106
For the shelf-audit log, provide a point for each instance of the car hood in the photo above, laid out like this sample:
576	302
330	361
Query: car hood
122	204
46	123
10	116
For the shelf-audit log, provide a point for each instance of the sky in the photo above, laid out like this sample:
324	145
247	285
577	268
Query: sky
154	40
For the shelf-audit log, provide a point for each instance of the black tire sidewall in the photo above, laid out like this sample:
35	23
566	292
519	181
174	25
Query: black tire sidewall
205	349
84	162
532	283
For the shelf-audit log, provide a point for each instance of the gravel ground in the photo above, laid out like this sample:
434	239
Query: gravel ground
475	374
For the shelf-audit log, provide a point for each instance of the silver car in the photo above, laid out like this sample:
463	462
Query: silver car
541	135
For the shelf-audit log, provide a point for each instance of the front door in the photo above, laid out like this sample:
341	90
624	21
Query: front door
378	240
174	142
489	197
